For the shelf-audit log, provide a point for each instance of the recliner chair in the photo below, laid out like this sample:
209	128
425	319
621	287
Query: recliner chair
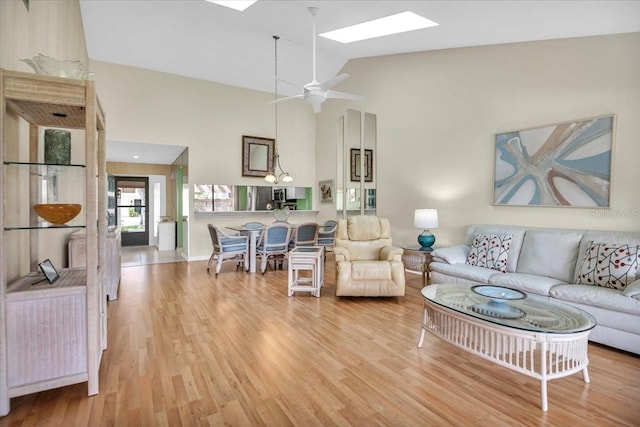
366	262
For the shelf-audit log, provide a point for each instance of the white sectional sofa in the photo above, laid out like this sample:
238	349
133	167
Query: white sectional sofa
549	262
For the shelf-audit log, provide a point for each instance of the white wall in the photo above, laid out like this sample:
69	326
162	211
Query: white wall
438	113
152	107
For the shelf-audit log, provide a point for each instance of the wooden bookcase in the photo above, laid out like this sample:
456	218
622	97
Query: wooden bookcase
50	335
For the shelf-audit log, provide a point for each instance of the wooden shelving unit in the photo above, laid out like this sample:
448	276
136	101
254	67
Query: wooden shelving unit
51	335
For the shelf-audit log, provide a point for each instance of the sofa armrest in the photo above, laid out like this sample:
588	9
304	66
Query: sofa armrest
633	290
390	253
451	254
341	254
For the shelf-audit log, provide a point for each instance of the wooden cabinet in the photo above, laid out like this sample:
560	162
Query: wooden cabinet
51	335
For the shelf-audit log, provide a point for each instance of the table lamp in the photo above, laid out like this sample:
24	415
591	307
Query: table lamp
426	219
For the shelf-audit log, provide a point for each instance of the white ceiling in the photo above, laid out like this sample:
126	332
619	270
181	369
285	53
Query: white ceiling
202	40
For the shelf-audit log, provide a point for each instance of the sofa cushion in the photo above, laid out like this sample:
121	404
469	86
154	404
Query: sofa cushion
465	271
516	244
549	253
609	265
451	254
528	283
633	289
597	296
490	251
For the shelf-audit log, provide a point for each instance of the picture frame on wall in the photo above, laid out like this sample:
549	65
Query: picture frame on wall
355	165
326	191
564	164
257	155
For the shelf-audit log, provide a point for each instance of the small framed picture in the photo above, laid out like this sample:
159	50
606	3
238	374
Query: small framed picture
49	271
326	191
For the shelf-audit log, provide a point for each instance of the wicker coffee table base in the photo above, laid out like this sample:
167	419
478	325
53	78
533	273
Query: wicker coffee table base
544	356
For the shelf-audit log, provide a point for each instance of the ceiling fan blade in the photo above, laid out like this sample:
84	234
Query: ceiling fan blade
317	108
286	98
334	81
334	94
290	82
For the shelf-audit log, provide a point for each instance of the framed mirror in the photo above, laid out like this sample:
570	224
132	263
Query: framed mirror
257	155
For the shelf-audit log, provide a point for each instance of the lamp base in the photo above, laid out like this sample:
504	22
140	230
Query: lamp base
426	239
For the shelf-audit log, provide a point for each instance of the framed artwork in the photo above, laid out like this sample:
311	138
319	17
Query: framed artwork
326	191
257	155
355	165
566	164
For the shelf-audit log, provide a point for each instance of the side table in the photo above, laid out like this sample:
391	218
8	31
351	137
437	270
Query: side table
417	258
309	258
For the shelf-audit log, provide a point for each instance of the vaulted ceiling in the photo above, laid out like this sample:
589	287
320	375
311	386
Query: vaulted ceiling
199	39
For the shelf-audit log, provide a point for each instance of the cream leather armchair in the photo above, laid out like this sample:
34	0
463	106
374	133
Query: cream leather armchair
367	265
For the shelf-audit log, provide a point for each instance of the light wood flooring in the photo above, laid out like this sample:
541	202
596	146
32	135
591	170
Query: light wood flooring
185	348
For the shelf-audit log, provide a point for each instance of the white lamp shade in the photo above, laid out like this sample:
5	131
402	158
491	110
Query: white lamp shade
425	218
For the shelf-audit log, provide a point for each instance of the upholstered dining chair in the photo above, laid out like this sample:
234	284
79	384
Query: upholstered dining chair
327	235
367	264
273	244
305	234
228	248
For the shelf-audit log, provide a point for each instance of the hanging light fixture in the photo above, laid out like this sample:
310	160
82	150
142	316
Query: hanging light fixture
282	176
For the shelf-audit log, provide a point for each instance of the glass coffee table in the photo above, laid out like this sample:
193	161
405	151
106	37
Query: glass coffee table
530	334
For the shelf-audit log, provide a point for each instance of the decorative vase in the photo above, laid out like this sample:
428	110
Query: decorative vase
57	147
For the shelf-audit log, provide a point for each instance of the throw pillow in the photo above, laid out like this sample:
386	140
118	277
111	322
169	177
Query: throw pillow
610	265
490	251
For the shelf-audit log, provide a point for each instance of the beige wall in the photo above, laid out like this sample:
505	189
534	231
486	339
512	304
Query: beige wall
151	107
50	27
438	113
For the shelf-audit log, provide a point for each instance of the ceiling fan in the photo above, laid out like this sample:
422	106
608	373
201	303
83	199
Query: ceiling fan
315	92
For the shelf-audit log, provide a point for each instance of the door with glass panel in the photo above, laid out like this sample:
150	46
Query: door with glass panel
132	214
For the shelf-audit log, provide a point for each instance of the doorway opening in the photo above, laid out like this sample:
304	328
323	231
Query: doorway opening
132	215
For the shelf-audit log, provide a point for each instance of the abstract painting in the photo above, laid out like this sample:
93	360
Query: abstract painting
567	164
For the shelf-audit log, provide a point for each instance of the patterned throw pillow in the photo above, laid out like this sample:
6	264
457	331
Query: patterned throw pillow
610	265
490	251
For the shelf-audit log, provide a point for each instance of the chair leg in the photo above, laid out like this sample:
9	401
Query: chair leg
210	260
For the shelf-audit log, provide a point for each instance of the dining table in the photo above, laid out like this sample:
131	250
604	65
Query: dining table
254	234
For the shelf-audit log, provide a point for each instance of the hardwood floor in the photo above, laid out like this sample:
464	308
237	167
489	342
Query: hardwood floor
185	348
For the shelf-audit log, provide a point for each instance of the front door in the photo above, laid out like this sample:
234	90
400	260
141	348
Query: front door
132	214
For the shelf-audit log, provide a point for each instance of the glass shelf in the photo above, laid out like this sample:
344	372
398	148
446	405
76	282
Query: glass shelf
42	226
46	165
29	183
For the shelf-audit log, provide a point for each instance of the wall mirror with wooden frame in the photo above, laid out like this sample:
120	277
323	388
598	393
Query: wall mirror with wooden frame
257	155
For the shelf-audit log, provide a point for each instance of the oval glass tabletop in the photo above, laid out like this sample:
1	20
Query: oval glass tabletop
532	313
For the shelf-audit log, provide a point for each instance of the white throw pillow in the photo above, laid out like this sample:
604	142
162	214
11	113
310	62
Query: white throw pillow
490	251
610	265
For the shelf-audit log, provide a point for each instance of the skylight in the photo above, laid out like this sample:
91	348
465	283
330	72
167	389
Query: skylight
240	5
393	24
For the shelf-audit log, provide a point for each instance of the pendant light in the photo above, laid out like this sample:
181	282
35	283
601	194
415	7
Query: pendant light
282	176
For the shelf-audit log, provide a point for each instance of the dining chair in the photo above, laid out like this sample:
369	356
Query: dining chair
228	248
273	244
327	235
305	234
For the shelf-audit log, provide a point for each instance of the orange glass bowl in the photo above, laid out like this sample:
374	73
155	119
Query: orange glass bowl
57	213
